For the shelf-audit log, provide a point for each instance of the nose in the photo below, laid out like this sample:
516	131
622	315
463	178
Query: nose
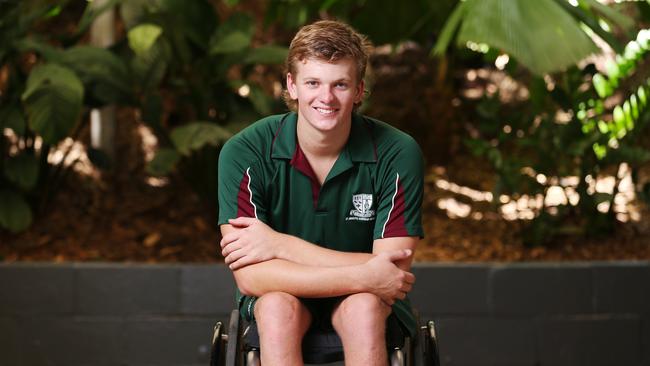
326	94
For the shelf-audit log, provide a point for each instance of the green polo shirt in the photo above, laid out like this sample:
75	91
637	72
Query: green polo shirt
373	191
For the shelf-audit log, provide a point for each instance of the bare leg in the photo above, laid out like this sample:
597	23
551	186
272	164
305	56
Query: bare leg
360	321
282	321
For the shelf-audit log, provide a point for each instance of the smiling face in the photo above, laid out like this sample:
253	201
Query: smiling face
326	93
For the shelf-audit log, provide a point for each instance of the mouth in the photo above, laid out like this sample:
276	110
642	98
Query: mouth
325	111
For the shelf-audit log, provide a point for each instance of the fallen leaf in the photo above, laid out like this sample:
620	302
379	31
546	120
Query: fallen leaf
151	239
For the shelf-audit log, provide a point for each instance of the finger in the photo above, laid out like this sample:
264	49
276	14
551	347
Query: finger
242	262
242	221
230	248
409	277
229	238
234	256
406	287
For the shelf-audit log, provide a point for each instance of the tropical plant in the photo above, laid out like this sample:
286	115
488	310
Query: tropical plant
175	63
383	21
183	60
599	136
545	36
45	91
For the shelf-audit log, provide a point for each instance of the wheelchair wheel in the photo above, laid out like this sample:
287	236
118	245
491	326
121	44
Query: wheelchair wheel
425	351
217	347
253	358
232	340
433	357
397	358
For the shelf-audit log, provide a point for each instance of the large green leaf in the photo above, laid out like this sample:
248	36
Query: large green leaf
133	12
101	70
195	135
22	170
53	99
163	163
540	34
196	19
266	55
49	52
143	37
232	36
15	214
150	67
12	117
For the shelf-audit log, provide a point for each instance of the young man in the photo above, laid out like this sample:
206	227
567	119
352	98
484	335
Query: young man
320	208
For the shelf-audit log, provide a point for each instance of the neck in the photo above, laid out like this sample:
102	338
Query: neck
315	143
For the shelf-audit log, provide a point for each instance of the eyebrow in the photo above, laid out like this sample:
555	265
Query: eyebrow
334	81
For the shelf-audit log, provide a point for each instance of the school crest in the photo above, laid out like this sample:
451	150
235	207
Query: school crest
362	204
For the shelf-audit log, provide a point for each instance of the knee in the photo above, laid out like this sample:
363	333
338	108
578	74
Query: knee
361	311
277	309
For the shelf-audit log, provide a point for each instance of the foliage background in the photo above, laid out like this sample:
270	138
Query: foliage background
506	98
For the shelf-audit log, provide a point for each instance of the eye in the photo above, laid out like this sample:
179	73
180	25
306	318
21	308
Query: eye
341	85
311	83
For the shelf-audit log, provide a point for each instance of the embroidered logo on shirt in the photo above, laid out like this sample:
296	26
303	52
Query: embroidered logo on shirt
362	203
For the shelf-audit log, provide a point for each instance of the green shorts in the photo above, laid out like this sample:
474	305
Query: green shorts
320	309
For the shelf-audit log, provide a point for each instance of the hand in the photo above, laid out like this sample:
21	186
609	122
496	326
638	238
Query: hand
252	242
385	279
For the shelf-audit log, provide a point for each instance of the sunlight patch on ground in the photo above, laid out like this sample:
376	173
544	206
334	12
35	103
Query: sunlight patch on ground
149	147
149	142
70	153
73	154
14	141
485	81
562	191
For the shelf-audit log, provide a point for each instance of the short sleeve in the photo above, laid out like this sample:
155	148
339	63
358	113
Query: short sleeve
240	183
400	190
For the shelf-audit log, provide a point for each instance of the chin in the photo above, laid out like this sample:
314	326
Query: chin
325	125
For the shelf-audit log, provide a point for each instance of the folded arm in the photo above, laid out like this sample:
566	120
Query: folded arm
384	273
249	241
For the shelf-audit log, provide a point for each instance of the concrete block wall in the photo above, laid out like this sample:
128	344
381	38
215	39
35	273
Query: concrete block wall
486	314
538	313
110	314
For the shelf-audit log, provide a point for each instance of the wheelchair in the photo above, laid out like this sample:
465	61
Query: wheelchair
238	345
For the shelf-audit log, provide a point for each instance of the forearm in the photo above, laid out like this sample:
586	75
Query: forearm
300	251
299	279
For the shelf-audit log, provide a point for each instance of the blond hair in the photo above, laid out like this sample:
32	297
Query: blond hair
330	41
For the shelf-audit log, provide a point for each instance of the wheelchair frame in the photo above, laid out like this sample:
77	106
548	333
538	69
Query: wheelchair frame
227	350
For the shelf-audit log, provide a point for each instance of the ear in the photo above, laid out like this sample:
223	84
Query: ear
359	92
291	87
